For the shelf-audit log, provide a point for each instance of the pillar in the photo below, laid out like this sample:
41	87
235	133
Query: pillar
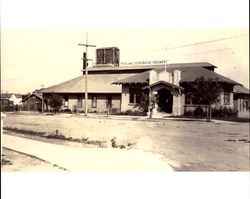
176	104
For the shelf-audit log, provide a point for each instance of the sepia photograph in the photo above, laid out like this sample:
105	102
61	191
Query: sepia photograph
89	97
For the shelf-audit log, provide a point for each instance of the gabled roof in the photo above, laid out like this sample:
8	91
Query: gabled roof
191	73
188	74
37	95
109	81
241	89
97	83
166	84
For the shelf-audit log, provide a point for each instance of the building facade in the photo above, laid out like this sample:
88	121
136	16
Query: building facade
120	89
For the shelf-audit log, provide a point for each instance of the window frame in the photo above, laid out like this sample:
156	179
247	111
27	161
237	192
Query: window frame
226	98
66	101
135	95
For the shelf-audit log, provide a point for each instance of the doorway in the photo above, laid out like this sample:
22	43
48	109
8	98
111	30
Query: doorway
165	100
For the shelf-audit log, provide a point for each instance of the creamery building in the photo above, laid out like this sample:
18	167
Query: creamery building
120	88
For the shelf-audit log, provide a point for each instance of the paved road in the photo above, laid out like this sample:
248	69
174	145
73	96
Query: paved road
88	159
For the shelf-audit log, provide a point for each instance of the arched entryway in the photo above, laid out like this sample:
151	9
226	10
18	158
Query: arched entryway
165	101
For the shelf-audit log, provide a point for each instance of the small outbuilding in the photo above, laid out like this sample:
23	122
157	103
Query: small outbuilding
33	102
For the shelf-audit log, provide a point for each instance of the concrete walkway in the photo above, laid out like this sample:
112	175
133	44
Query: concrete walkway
88	159
158	117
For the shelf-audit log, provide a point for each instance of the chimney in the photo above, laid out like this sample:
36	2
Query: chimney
177	77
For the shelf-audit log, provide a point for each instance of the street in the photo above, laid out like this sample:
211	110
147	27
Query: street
184	145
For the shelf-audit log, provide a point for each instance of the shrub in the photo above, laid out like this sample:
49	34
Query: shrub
188	113
55	102
198	112
128	112
224	112
67	110
56	135
139	113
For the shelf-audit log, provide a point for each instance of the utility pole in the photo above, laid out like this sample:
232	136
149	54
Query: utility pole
42	86
85	67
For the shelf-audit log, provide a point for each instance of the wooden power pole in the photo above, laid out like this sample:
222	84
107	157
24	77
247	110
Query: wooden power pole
85	68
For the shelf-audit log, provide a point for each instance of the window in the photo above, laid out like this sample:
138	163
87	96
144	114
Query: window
226	98
66	101
109	101
134	95
79	101
245	105
94	101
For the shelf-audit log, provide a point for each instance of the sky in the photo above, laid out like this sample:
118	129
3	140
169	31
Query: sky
39	39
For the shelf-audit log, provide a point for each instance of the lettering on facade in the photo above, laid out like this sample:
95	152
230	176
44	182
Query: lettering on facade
154	62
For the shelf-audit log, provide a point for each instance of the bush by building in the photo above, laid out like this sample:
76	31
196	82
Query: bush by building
223	112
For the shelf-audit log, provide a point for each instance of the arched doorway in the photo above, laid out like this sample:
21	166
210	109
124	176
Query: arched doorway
165	100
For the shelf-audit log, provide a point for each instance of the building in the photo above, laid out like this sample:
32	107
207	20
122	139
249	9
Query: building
33	102
242	101
121	87
10	101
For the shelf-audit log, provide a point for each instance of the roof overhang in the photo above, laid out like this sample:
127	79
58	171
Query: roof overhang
166	84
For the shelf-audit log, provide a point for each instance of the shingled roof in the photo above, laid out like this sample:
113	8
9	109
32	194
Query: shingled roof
37	95
110	81
241	89
191	73
97	83
188	74
138	78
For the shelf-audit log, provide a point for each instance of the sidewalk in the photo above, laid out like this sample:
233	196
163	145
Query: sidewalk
159	117
88	159
146	118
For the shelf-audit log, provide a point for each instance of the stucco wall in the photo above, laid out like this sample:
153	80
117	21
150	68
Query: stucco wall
192	107
125	99
101	104
243	112
177	104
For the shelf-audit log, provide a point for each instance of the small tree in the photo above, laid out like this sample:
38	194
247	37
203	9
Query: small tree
55	102
206	92
144	102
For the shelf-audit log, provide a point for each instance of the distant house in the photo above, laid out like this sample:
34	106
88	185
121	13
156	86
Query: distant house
10	101
242	101
16	99
33	102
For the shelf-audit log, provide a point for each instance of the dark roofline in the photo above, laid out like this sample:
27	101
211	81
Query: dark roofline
164	82
149	67
240	89
32	94
107	48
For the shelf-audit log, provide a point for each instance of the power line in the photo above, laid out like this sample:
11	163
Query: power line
203	42
209	51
